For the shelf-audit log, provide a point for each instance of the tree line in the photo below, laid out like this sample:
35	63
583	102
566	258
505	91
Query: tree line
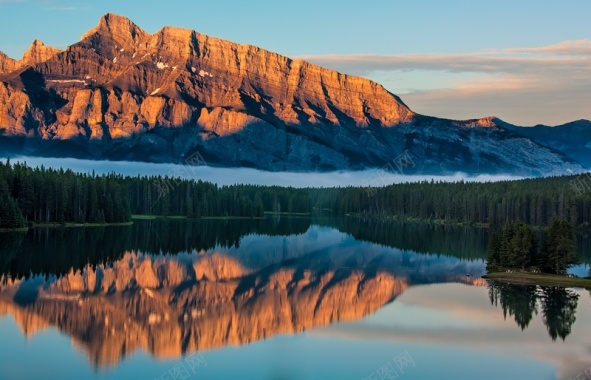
58	196
43	195
534	201
517	246
157	195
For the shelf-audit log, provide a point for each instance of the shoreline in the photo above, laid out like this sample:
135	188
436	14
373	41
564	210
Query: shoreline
523	278
412	219
443	222
77	225
21	229
141	217
182	217
58	225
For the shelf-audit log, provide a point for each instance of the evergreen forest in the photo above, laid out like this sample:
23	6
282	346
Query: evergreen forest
57	196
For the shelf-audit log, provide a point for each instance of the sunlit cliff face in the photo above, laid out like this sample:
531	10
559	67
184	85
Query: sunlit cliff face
123	94
132	81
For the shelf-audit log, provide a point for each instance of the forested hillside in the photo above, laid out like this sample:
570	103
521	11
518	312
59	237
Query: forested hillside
41	195
533	201
59	196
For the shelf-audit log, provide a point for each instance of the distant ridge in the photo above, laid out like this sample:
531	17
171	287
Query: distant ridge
572	138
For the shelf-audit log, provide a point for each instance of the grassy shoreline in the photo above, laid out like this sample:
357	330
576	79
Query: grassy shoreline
579	230
288	213
75	225
412	219
182	217
60	225
141	217
22	229
524	278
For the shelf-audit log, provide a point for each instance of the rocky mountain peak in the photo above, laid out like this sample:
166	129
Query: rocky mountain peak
7	64
114	31
487	122
38	52
174	43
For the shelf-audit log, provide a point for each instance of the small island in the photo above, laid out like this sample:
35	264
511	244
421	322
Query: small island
515	255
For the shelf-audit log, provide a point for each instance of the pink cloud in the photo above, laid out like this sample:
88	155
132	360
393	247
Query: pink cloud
525	86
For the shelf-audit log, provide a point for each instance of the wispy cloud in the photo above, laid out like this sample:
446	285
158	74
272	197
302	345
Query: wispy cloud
562	56
550	84
579	47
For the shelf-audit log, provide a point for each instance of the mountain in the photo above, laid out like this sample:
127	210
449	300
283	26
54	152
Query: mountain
123	94
38	52
572	138
174	305
7	64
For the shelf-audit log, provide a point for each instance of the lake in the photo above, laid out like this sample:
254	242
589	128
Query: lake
279	298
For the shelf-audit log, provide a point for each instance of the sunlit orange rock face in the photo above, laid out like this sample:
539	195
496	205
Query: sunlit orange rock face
173	306
124	94
7	64
38	52
178	77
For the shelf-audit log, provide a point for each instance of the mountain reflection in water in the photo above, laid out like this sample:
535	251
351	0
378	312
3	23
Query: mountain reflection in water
171	288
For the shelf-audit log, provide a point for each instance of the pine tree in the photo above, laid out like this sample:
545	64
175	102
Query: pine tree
522	247
10	214
560	247
515	246
506	249
494	252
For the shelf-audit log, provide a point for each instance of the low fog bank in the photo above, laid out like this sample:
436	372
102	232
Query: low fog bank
231	176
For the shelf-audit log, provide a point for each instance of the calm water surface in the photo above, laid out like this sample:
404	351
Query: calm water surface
280	298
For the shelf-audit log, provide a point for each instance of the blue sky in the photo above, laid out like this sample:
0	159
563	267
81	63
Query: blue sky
525	61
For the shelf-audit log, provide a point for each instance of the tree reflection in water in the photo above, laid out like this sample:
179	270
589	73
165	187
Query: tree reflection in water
557	305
